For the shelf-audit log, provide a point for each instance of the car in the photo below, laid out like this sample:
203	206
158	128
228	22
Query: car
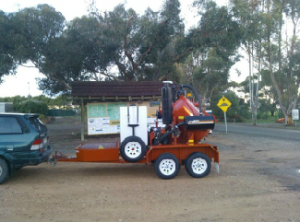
24	140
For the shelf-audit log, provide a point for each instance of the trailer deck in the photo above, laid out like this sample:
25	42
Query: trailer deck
109	152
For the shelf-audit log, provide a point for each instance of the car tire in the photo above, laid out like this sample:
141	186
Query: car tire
198	165
167	166
133	149
3	170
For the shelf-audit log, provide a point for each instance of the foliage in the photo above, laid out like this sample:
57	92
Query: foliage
31	106
7	48
237	111
141	47
215	42
60	102
122	45
265	109
271	50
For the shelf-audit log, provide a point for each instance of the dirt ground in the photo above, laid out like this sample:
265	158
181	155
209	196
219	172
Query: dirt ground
259	180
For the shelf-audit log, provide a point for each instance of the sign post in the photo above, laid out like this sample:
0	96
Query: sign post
224	104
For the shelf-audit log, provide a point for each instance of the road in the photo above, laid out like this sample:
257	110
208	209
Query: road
237	128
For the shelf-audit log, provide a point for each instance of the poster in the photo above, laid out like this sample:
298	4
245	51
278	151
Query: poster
103	118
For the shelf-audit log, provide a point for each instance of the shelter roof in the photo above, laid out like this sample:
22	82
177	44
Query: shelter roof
114	90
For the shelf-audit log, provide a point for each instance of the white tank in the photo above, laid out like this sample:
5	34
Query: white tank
133	121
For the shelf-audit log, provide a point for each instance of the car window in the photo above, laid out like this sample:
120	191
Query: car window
37	124
9	125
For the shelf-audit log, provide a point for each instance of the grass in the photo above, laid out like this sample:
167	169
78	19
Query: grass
270	119
271	122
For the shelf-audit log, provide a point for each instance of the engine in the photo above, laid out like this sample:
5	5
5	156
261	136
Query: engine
185	121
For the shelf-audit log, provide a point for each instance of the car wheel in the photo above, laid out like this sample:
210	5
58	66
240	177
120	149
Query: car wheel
133	149
198	165
167	166
3	170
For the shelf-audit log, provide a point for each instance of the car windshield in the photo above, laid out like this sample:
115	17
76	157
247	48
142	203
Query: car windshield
37	124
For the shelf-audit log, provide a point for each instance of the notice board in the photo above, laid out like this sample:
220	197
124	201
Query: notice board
104	118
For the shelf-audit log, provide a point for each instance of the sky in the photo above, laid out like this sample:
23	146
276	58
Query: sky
24	83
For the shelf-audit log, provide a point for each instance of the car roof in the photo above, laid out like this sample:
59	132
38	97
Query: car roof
26	115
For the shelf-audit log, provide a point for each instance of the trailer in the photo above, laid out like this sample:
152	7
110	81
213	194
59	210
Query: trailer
167	148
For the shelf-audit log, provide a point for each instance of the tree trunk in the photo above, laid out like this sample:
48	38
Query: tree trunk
253	111
272	75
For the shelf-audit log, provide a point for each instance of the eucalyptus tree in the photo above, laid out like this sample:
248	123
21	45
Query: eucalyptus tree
170	46
79	54
283	65
249	15
215	42
271	49
25	36
143	47
33	31
292	69
7	47
36	27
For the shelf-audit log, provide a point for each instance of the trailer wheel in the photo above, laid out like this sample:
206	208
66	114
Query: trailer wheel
167	166
3	170
198	165
133	149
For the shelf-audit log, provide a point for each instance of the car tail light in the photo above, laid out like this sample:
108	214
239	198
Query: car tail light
37	144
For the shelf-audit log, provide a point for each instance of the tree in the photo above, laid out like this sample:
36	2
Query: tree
249	16
268	53
171	46
31	106
143	47
283	69
7	46
36	27
215	42
90	48
33	30
79	54
233	110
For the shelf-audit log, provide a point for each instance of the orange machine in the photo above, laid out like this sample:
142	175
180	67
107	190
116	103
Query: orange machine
178	143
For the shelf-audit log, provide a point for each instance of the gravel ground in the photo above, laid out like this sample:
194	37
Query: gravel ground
259	180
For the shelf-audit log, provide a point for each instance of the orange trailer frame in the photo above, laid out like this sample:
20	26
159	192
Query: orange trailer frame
109	153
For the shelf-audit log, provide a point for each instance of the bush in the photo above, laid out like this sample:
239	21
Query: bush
237	112
31	107
265	109
42	116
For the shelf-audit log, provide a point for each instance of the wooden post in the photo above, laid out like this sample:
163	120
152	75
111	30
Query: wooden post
82	121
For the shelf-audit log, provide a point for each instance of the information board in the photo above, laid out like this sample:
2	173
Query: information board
104	118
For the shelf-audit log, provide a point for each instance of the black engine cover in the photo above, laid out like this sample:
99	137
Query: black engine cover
199	122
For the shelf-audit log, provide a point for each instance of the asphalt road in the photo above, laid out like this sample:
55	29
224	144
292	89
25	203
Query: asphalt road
268	132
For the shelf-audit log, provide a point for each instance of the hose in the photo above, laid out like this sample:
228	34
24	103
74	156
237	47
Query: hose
170	132
196	94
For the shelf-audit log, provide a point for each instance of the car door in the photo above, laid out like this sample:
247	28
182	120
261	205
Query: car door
13	141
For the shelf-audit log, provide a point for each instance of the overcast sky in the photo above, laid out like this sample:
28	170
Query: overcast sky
24	83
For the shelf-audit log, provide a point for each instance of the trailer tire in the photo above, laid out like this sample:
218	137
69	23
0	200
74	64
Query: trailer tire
198	165
166	166
133	149
3	170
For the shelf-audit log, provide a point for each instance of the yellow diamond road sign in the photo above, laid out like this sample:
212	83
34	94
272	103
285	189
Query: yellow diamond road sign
224	104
